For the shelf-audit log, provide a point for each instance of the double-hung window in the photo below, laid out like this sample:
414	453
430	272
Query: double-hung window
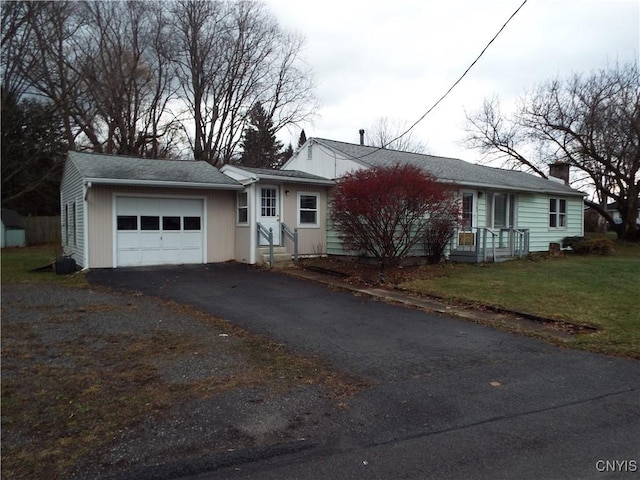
243	208
308	209
557	213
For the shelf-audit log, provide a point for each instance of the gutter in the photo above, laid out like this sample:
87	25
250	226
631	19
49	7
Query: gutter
164	184
285	179
491	186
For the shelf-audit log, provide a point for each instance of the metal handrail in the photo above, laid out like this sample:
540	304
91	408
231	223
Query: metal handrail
293	235
493	243
268	236
522	236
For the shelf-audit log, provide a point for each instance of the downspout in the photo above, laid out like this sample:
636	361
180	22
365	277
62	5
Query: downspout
253	227
85	222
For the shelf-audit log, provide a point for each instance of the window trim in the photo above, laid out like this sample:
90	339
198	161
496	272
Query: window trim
244	208
74	214
299	210
559	216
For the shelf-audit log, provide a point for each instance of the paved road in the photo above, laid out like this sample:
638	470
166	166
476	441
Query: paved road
451	399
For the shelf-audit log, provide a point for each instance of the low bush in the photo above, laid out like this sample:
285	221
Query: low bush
571	242
595	246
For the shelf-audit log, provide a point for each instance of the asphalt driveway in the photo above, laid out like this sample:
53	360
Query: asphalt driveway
450	398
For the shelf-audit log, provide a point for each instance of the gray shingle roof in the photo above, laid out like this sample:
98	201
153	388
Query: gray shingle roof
118	168
451	169
11	219
285	174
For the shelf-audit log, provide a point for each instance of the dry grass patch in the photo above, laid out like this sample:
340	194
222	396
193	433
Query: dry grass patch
65	401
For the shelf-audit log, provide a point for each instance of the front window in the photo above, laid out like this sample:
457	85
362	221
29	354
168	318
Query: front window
308	209
243	207
467	211
557	213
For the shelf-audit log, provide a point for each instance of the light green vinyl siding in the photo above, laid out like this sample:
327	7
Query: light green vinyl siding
533	214
482	209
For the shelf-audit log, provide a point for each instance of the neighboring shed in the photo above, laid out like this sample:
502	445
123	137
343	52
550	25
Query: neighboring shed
13	232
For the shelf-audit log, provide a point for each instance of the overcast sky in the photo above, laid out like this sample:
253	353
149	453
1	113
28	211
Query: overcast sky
395	58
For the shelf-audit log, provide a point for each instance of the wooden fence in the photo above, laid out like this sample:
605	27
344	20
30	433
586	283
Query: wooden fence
40	230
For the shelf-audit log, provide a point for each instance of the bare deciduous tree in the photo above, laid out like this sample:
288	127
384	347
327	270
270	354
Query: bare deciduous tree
128	78
233	54
386	133
116	71
591	122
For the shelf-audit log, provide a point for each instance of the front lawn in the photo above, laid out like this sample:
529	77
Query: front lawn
592	289
18	265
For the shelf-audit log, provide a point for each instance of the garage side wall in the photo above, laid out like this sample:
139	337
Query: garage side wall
72	214
219	220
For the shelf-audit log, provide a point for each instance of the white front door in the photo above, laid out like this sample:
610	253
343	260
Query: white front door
269	212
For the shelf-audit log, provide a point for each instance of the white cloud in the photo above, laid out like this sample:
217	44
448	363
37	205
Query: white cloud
395	59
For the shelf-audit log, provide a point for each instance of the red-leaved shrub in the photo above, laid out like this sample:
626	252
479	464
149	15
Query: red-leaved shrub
384	212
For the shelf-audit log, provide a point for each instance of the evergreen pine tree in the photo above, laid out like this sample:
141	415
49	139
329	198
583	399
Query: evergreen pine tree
302	139
287	154
260	147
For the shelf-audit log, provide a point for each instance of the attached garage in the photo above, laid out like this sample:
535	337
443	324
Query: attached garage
125	211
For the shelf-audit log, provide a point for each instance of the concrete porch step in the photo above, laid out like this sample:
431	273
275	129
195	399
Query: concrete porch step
281	257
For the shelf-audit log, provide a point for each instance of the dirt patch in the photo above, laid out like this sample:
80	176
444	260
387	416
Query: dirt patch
95	383
361	272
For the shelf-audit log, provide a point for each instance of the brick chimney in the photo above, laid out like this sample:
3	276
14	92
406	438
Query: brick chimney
560	170
361	136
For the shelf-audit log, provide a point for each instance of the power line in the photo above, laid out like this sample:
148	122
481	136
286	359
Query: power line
450	88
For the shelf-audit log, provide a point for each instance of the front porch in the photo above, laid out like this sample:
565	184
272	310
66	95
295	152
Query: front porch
482	244
272	254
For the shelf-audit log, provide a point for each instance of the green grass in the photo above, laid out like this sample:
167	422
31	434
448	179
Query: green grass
18	263
597	290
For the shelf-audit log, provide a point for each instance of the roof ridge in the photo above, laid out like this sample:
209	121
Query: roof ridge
404	152
118	156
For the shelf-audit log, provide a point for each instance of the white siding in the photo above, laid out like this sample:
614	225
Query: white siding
319	160
73	226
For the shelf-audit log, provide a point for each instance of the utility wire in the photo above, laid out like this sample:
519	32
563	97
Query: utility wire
450	88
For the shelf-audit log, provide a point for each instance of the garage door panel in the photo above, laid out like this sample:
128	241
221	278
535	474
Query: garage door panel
171	240
149	206
150	241
126	205
151	257
129	258
191	240
191	255
191	208
128	240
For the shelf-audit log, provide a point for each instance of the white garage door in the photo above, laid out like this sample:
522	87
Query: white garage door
159	231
